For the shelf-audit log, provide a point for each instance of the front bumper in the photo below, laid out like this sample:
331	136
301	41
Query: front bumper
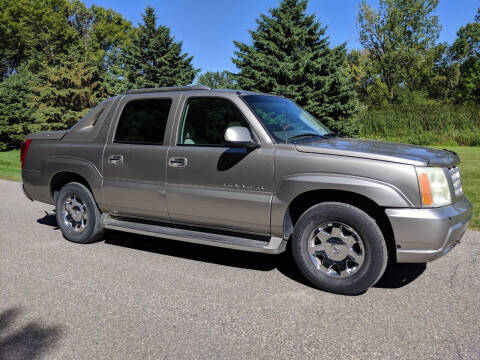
423	235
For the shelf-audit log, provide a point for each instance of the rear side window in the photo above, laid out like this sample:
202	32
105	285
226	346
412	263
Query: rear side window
143	121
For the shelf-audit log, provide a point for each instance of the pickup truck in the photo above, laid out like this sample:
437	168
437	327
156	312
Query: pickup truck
248	171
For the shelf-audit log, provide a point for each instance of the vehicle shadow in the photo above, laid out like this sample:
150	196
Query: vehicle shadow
32	341
198	252
50	220
395	276
399	275
204	253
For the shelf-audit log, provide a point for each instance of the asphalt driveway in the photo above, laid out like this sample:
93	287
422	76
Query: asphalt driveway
134	297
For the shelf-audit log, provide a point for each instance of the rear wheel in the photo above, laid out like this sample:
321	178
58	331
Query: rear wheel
77	214
339	248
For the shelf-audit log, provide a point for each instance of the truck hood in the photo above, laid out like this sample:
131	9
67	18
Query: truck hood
380	150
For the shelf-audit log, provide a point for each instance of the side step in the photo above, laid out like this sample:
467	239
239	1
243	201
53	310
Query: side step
275	245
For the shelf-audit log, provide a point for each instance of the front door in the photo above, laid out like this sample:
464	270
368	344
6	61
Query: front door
134	160
209	183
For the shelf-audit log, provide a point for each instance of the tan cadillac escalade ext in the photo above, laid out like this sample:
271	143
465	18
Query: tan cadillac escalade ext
251	172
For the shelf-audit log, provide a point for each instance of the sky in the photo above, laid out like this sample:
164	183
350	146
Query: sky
208	27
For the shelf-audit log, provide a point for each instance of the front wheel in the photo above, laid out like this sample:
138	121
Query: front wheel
339	248
77	214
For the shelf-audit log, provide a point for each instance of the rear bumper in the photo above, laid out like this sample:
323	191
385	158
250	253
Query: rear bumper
35	186
423	235
25	193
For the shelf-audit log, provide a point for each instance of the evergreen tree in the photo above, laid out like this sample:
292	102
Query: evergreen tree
15	108
154	58
64	93
290	56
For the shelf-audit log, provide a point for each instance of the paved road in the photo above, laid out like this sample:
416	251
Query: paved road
133	297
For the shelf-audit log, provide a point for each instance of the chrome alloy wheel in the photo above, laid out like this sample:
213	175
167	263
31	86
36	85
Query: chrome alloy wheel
336	249
75	213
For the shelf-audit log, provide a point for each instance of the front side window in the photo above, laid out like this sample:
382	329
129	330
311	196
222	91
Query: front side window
143	121
285	120
206	119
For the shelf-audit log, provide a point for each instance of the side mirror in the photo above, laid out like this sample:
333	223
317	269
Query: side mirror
238	136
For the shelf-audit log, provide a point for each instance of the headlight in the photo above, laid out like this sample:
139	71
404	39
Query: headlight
434	187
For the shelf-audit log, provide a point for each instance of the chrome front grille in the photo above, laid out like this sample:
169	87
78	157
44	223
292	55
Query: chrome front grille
456	180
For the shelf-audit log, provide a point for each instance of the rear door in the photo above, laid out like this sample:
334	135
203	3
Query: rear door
209	183
134	158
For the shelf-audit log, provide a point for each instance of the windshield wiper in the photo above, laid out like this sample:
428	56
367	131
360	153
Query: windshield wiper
330	135
306	135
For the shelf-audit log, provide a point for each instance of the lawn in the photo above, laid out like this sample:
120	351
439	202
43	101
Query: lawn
470	168
10	165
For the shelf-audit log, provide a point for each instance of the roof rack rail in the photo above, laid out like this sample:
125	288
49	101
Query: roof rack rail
165	89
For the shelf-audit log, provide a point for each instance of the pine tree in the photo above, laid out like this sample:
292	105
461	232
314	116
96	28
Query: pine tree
64	93
155	59
290	56
15	110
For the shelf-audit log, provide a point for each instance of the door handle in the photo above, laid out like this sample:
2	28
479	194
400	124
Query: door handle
115	159
177	162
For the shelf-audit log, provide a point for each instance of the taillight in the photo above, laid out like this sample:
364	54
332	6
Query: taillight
23	150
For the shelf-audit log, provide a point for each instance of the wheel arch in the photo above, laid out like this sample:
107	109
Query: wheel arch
64	169
62	178
304	201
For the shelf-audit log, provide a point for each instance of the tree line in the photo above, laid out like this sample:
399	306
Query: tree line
59	58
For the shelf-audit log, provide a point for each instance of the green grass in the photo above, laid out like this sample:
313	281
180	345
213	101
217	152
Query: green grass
470	168
10	165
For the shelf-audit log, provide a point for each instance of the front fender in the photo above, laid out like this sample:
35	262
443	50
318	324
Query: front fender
383	194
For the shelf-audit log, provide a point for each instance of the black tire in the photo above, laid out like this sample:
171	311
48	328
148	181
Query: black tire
375	249
93	229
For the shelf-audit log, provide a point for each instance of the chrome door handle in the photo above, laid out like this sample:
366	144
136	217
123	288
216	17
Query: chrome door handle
177	162
115	159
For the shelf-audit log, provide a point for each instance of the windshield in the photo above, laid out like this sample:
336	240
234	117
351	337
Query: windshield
285	120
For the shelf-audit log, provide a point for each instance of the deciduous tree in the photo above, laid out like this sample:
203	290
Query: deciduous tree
397	38
218	80
466	52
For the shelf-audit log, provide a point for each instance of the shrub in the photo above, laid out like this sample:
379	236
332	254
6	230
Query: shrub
430	124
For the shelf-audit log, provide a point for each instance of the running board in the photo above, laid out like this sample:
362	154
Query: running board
275	245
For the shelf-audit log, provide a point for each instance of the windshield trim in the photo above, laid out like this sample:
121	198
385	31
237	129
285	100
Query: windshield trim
304	137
